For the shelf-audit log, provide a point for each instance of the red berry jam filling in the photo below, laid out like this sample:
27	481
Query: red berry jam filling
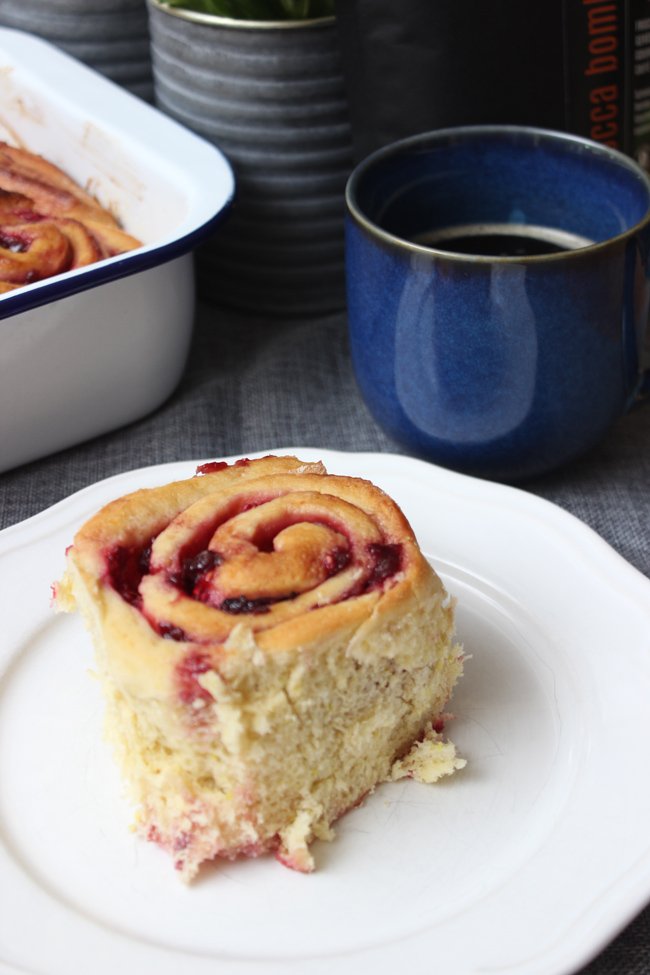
170	632
27	216
13	242
242	604
127	564
153	835
219	465
336	561
211	467
191	667
194	568
181	842
386	561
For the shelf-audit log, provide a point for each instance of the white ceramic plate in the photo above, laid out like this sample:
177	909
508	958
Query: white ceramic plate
526	862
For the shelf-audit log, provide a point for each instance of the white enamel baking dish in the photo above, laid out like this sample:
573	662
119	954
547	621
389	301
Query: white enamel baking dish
90	350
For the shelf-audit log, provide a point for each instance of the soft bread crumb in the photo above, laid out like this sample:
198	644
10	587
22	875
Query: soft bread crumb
295	839
63	600
428	760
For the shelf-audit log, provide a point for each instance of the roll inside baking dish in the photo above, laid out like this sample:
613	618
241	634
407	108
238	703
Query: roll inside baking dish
272	644
49	224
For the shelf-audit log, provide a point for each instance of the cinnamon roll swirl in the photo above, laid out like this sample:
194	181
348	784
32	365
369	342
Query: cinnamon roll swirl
272	644
48	224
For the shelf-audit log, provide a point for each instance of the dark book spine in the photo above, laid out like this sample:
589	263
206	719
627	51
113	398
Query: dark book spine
639	80
595	51
607	73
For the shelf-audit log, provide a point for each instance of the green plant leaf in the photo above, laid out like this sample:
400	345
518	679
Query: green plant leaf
259	9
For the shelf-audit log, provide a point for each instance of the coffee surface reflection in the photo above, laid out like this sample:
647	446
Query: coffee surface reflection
501	240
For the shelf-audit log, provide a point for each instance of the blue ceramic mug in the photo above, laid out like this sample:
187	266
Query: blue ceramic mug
498	294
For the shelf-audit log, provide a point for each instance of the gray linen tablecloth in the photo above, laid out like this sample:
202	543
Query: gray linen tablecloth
254	384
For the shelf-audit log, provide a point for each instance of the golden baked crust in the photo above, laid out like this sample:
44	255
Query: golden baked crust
272	644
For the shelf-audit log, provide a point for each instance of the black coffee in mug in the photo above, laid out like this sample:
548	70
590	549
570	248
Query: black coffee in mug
501	240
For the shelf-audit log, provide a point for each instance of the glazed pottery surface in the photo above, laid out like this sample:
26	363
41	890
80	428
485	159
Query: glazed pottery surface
271	96
110	36
504	365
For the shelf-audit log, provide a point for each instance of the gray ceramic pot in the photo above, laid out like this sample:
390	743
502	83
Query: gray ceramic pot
111	36
271	96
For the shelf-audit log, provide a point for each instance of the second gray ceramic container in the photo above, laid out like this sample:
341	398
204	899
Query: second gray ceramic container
110	36
271	96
